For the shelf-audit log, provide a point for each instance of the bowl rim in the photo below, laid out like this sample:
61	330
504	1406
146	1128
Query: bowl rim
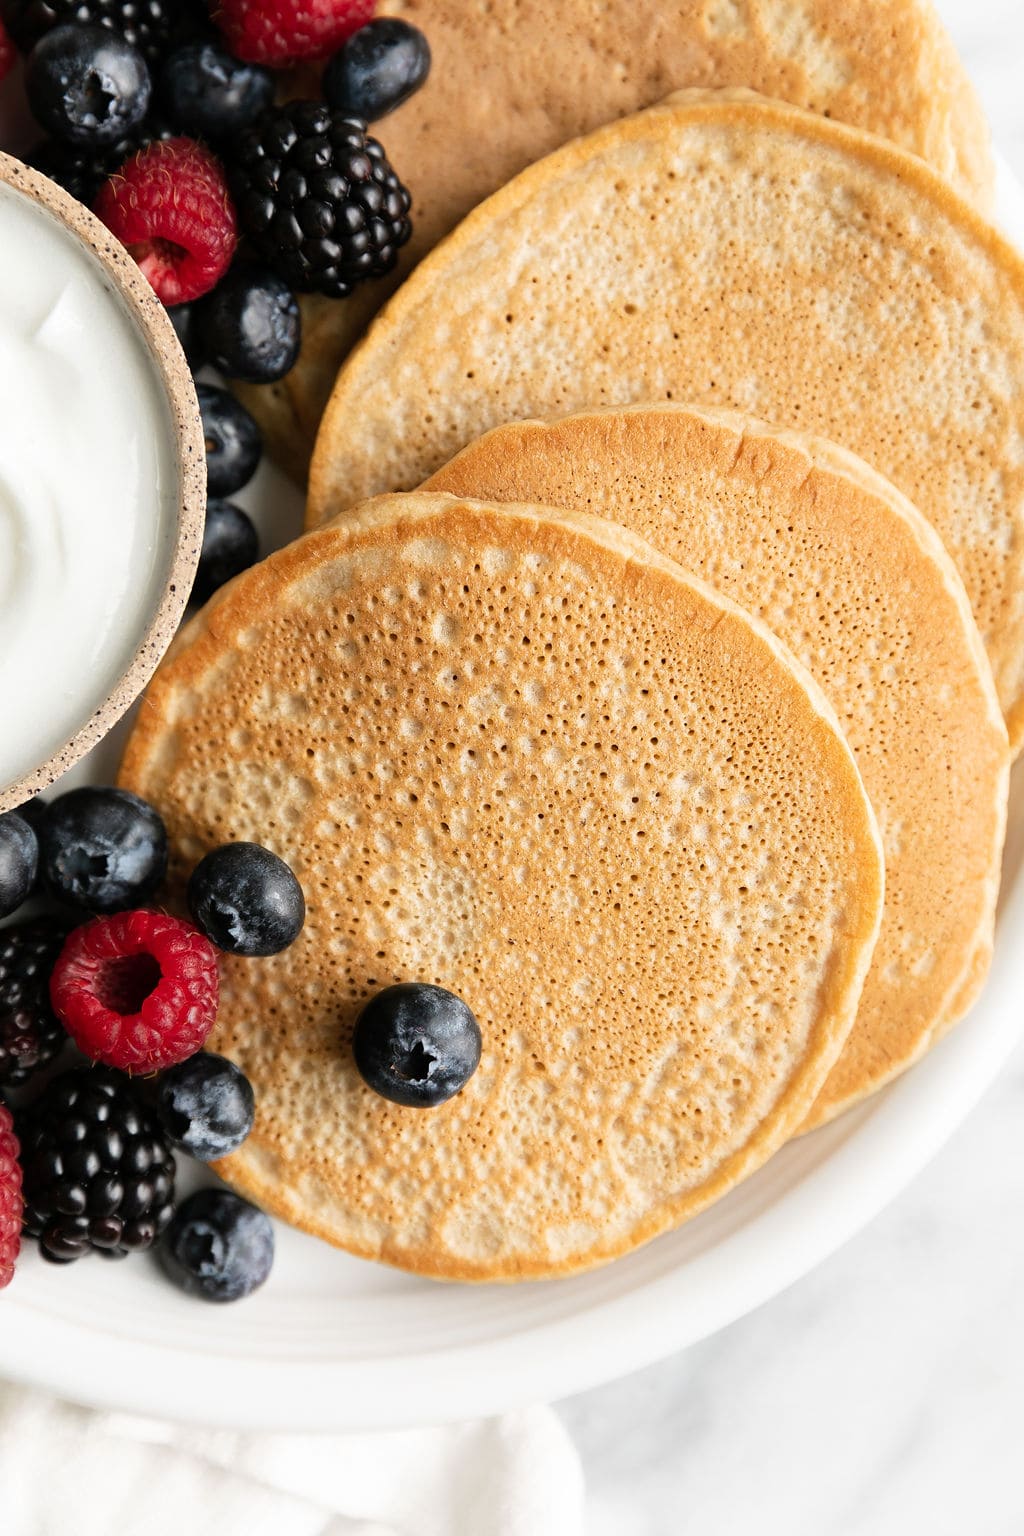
175	379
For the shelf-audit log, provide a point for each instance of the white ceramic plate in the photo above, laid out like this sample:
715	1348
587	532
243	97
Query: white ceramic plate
333	1342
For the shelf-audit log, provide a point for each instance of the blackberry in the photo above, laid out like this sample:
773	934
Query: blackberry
318	198
83	171
30	1032
98	1171
148	25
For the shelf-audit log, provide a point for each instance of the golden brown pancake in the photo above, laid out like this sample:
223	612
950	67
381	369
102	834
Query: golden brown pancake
519	753
723	250
853	579
512	81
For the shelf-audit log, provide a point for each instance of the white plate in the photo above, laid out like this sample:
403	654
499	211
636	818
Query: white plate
335	1342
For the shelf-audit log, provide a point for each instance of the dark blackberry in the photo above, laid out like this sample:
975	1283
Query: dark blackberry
148	25
30	1032
83	171
318	198
98	1171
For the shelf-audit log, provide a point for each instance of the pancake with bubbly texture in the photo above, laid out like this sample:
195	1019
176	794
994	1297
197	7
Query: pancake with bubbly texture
853	579
510	84
519	753
725	250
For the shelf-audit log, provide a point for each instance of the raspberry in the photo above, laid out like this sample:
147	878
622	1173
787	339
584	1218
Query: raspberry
170	205
138	990
280	32
10	1198
7	56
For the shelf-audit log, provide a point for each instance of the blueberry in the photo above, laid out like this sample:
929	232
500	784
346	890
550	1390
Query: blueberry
19	861
380	66
218	1246
33	811
185	320
246	900
87	85
251	325
103	849
230	545
208	93
233	442
206	1106
416	1044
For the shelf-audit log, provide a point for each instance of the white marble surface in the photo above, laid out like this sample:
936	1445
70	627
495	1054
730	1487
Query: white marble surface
884	1394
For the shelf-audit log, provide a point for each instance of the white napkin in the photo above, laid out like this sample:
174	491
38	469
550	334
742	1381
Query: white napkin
67	1471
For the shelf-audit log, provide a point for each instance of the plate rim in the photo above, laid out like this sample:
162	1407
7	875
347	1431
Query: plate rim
880	1147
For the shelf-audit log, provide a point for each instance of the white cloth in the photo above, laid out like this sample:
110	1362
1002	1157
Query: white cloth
67	1471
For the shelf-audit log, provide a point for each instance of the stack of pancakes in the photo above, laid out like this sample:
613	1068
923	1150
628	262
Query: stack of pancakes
643	675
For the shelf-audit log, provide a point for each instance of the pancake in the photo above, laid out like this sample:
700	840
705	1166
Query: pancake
507	87
853	579
519	753
724	250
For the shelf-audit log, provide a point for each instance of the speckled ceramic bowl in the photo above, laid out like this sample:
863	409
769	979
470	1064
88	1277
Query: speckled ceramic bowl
173	379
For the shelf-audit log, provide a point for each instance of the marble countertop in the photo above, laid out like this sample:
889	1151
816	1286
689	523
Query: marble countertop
884	1394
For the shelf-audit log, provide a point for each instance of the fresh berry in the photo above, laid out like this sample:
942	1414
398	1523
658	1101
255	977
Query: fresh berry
8	54
211	95
170	206
251	325
10	1198
186	327
98	1170
87	85
102	849
318	199
233	442
279	32
218	1246
33	812
416	1044
147	24
137	991
246	900
19	862
30	1032
380	66
206	1106
230	546
83	171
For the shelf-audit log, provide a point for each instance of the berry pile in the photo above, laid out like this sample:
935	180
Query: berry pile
136	991
162	116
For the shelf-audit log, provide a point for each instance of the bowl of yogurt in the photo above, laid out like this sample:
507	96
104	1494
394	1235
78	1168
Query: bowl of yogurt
102	481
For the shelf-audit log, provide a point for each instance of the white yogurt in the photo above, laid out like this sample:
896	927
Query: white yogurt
88	486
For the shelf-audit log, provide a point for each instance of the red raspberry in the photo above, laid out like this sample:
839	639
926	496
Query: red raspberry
10	1198
138	990
8	54
169	204
280	32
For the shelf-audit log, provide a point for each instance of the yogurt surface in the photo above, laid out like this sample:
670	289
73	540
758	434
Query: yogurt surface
88	486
